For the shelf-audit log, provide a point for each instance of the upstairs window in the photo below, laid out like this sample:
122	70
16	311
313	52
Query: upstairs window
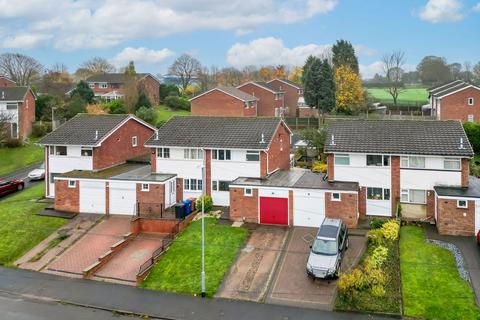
342	159
253	155
193	154
86	152
378	160
60	150
451	164
91	85
470	101
163	153
412	162
134	141
221	154
103	86
12	106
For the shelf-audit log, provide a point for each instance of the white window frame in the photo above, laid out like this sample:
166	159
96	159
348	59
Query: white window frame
145	187
470	101
192	184
341	156
248	192
216	185
161	152
216	154
192	154
9	105
384	157
336	196
252	153
470	118
462	206
103	85
383	194
407	193
134	141
61	155
459	161
14	133
406	162
86	149
91	85
72	183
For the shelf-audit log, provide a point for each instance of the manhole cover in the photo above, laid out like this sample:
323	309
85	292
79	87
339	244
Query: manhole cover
308	238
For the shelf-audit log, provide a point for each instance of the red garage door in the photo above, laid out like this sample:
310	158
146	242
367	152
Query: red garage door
274	210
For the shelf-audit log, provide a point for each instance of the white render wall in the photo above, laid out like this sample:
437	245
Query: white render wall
427	179
358	171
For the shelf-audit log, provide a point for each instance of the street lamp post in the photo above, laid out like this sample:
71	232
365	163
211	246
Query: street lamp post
203	225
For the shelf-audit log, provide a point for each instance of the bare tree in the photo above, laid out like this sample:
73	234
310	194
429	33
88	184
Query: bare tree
467	73
393	69
97	65
20	68
185	68
5	124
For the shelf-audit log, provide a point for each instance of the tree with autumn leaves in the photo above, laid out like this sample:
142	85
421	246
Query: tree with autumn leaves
349	93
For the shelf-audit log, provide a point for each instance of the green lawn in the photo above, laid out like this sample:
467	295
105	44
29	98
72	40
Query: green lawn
179	269
432	287
407	96
12	159
21	229
163	113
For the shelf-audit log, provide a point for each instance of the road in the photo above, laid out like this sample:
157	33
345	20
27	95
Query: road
21	308
22	174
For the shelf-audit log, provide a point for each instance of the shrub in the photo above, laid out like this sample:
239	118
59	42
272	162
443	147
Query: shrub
390	230
115	107
177	103
376	223
208	203
378	291
319	167
146	114
349	283
472	129
375	236
39	129
378	257
13	143
143	101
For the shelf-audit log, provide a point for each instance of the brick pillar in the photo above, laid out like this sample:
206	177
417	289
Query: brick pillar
330	166
395	183
153	160
430	203
263	164
107	197
290	207
208	172
465	172
362	201
179	184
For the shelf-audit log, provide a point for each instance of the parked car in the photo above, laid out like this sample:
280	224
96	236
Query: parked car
328	249
478	237
11	186
37	174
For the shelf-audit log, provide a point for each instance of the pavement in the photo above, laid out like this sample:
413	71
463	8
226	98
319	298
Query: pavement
292	286
116	297
470	252
250	274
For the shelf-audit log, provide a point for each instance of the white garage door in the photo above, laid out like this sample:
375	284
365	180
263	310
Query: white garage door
123	197
477	216
308	208
92	196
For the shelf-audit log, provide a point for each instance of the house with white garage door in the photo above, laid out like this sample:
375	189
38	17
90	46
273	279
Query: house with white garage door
89	142
421	165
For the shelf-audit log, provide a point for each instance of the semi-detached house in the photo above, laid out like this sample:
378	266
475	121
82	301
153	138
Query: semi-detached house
17	107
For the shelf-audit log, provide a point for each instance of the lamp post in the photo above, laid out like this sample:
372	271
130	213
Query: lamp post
203	225
53	118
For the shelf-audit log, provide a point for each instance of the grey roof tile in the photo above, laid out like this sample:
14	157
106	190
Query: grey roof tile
81	129
216	132
268	86
112	77
444	86
13	93
399	137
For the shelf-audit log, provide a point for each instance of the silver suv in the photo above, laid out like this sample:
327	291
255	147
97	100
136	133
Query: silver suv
327	250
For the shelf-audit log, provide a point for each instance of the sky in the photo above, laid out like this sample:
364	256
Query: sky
238	32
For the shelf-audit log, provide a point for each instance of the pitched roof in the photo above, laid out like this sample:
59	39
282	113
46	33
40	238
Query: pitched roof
7	78
453	89
114	77
288	82
82	129
13	93
216	132
399	137
263	85
232	91
444	86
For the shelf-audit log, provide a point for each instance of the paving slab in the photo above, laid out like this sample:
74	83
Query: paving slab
250	274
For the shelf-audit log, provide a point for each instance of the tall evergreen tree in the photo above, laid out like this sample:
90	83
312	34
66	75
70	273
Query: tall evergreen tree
327	88
344	55
131	88
307	65
319	83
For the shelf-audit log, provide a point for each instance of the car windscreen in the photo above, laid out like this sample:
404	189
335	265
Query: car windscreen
325	247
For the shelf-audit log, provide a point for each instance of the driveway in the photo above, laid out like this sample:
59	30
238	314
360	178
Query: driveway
470	252
291	285
91	246
250	274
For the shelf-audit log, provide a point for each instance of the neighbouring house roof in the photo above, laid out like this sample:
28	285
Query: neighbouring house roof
263	85
231	91
87	129
443	86
13	93
288	82
216	132
473	190
453	89
420	137
115	77
7	78
296	178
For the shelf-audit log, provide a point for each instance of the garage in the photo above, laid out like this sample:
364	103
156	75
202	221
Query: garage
123	197
308	208
274	210
92	196
477	216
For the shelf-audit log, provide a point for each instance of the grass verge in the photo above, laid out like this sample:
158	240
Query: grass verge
21	229
179	269
12	159
432	287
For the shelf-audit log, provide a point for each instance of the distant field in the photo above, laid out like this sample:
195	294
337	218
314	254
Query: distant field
407	96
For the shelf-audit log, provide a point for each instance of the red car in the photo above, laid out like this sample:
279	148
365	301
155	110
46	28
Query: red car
478	237
11	186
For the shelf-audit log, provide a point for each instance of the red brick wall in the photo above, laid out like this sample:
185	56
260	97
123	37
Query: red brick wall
218	103
4	82
151	87
395	177
307	112
119	88
117	148
242	206
451	220
263	164
455	106
330	167
266	104
152	201
291	96
67	199
26	111
279	150
430	203
346	209
158	226
251	111
362	201
465	172
153	160
179	185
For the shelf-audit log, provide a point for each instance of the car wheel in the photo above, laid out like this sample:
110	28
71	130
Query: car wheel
20	187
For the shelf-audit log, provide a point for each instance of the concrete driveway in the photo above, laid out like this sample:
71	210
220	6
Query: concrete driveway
291	285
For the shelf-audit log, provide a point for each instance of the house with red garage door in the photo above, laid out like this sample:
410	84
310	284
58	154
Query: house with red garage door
423	166
92	143
224	101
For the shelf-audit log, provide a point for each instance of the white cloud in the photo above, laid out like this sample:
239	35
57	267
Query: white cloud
477	7
141	56
74	24
363	50
25	41
367	71
437	11
272	51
